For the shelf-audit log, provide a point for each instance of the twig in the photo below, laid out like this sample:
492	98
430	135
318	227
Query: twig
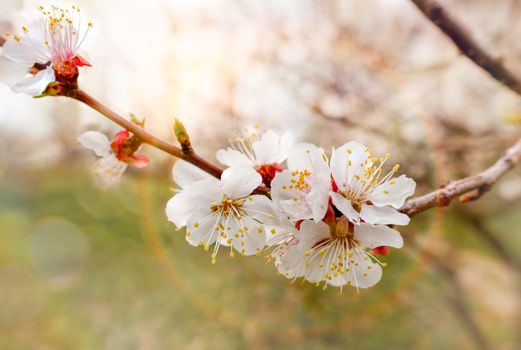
147	138
466	44
469	188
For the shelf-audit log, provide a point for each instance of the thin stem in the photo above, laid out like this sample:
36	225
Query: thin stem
466	44
147	138
469	188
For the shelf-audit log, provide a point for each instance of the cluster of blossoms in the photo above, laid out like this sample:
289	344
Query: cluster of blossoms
323	219
47	49
326	220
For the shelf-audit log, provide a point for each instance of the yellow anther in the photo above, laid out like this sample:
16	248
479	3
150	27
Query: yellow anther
232	254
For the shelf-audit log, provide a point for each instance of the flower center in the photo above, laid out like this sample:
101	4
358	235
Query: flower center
228	207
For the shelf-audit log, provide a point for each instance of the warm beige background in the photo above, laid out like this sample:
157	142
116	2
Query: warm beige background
81	268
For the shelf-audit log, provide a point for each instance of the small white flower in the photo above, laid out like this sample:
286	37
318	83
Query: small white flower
338	254
265	153
363	194
221	211
112	161
302	191
47	47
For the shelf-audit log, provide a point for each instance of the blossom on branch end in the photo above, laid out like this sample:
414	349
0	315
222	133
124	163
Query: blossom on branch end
115	156
48	49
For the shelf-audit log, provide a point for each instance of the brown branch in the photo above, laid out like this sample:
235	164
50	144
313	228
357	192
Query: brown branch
466	44
469	188
147	138
2	41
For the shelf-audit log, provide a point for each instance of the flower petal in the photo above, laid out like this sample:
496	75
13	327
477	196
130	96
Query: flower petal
345	207
351	159
383	215
239	182
364	273
372	236
186	174
23	52
233	158
138	161
312	232
246	236
393	192
289	198
299	158
97	142
260	208
35	85
192	199
109	169
201	227
266	149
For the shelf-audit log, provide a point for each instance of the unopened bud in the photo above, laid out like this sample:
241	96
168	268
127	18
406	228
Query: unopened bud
182	137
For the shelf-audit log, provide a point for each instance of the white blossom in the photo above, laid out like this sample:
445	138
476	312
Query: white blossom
112	162
47	47
336	254
222	212
363	193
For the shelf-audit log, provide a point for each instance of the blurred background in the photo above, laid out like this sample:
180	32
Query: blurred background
84	268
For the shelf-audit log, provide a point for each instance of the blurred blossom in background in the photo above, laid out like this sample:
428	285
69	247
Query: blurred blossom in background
82	268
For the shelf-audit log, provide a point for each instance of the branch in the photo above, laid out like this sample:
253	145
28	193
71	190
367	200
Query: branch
469	188
467	45
147	138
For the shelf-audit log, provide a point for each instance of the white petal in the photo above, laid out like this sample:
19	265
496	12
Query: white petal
373	236
393	192
299	157
320	185
233	158
109	170
347	161
345	207
247	236
192	199
22	53
201	228
267	148
291	262
97	142
260	208
239	182
186	174
383	215
364	273
312	232
35	85
290	199
287	140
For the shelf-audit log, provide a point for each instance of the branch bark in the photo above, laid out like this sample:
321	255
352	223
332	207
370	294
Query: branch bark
466	44
467	189
147	138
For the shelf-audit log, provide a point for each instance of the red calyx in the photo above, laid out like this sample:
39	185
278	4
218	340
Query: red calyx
268	172
124	147
382	250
